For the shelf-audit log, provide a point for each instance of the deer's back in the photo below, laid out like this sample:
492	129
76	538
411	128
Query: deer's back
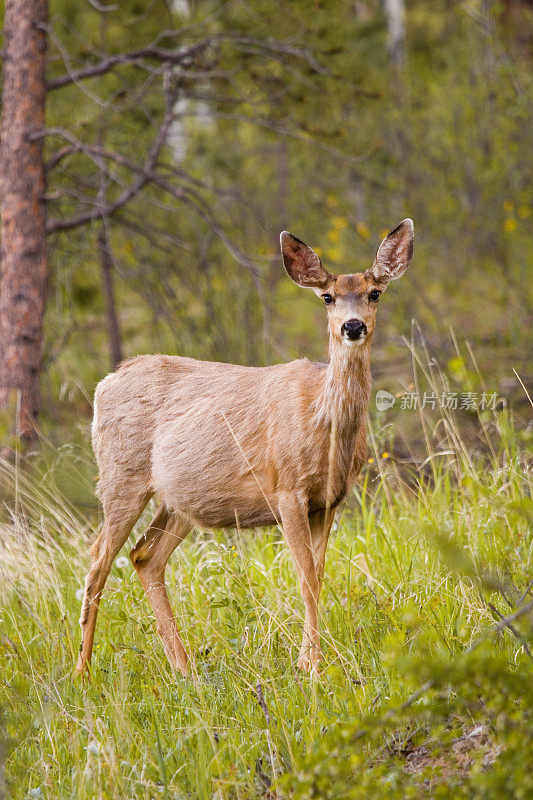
216	441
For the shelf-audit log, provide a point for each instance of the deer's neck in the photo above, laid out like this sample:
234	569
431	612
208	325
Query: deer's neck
343	399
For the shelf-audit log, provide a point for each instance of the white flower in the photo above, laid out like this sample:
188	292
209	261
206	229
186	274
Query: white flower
122	562
38	792
79	594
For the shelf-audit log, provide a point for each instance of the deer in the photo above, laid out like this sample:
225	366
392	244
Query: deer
226	446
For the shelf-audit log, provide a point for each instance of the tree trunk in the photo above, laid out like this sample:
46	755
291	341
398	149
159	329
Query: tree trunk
111	317
395	14
22	228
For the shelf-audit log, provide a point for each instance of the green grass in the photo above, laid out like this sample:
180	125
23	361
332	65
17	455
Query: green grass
412	571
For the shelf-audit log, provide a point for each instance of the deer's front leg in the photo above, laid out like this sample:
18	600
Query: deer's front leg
293	512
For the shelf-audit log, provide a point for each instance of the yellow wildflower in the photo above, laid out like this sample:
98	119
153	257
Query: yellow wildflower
362	230
340	222
334	254
510	225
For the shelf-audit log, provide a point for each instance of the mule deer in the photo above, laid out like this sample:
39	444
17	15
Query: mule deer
228	446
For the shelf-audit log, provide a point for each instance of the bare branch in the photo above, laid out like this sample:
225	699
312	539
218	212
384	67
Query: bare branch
185	55
133	58
142	179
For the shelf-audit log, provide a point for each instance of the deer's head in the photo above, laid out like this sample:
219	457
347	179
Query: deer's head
351	300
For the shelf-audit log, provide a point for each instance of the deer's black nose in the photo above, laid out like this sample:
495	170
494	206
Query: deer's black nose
353	329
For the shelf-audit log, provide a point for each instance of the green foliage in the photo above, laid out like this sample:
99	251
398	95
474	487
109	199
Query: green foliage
479	692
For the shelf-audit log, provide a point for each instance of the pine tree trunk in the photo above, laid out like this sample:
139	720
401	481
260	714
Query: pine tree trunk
22	228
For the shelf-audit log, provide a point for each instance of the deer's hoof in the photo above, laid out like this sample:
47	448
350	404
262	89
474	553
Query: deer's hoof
309	660
82	670
179	664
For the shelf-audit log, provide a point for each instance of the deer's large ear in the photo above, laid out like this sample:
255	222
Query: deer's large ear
394	253
302	263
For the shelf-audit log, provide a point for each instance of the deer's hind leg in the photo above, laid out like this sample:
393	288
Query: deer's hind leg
149	557
320	524
121	512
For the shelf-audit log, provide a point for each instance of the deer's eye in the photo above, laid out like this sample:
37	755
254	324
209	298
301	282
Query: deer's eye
374	295
328	298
